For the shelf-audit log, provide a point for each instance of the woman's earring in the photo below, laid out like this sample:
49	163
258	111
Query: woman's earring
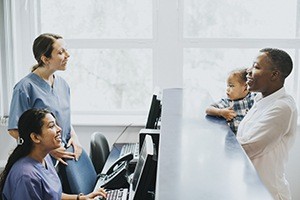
20	141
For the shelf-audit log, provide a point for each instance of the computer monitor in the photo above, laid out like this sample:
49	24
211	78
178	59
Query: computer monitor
154	113
144	175
154	133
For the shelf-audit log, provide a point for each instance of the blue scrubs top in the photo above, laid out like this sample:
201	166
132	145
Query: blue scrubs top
34	92
29	179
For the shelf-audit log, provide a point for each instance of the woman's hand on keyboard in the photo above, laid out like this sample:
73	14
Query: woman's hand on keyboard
94	195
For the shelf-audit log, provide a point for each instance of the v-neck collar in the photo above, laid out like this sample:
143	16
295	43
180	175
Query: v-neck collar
43	83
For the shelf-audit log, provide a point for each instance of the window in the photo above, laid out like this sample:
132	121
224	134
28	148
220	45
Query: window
122	49
116	78
240	19
105	83
220	36
91	19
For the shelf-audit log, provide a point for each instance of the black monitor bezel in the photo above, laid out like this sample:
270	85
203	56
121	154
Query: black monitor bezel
148	160
154	113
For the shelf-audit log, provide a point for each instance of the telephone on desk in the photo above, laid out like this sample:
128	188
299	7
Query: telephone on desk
116	175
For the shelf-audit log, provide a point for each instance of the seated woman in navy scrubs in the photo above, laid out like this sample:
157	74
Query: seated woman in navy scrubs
29	172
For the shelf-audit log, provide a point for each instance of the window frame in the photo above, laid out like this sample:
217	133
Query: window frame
167	46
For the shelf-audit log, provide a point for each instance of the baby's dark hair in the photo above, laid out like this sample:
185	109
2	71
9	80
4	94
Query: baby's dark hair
240	74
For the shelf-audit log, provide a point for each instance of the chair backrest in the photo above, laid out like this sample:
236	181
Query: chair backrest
78	176
99	151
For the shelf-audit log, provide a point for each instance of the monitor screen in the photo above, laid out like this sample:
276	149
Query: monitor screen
154	113
145	171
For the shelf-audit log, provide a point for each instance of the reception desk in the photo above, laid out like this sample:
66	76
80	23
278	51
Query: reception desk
200	158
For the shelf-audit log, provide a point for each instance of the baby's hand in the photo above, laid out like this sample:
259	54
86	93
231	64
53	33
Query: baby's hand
228	113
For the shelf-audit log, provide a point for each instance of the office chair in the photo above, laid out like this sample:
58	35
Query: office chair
78	176
99	151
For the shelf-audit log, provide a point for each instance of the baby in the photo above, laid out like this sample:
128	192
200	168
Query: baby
239	100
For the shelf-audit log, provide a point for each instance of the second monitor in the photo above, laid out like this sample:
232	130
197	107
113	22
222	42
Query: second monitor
154	113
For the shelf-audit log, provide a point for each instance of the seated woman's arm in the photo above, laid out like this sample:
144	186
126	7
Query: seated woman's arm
92	195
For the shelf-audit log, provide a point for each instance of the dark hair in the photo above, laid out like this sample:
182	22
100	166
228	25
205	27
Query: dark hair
241	74
31	121
280	60
43	45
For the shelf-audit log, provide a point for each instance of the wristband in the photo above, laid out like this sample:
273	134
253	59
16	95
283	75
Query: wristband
79	195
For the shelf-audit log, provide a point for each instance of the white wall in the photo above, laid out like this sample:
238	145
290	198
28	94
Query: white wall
112	133
7	143
293	168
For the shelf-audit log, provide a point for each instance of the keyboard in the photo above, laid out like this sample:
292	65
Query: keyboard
131	148
117	194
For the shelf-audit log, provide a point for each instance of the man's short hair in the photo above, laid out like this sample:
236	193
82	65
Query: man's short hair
280	60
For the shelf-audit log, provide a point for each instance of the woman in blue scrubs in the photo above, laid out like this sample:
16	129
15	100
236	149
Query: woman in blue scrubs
29	172
42	88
